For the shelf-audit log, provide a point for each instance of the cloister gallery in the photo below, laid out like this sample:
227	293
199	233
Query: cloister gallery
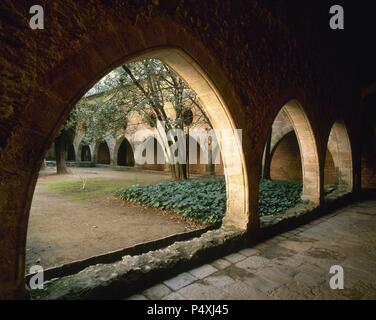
301	94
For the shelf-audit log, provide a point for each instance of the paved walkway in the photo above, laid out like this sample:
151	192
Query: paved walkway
294	265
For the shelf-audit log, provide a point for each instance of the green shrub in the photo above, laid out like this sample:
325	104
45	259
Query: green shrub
277	196
201	200
205	200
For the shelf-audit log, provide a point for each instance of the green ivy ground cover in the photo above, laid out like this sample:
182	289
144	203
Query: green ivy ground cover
205	200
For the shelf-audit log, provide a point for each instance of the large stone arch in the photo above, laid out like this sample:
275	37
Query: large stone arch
339	147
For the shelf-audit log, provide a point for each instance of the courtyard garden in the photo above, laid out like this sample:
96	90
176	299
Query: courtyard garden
205	199
75	216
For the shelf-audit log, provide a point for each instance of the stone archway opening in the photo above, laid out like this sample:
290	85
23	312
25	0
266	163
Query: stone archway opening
85	153
125	155
228	140
103	153
290	175
338	170
221	120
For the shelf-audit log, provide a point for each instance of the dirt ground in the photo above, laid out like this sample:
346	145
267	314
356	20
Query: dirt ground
63	230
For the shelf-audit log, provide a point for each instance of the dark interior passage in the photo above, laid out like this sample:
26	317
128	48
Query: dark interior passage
85	153
103	154
125	155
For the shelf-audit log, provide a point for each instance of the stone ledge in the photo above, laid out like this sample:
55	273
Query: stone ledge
305	213
134	273
291	213
113	256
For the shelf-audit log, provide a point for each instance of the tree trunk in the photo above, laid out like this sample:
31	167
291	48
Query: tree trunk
172	171
179	171
210	167
60	153
183	171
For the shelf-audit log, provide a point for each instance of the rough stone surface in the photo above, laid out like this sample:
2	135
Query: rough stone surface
112	280
290	214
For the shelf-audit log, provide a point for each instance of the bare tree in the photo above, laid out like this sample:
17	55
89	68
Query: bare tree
155	92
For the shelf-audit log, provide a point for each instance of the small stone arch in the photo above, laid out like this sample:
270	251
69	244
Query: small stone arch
297	117
339	147
124	153
85	152
102	151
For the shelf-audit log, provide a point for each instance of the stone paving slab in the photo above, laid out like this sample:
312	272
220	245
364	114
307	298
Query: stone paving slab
249	252
202	291
203	271
294	265
180	281
157	292
234	257
221	264
174	296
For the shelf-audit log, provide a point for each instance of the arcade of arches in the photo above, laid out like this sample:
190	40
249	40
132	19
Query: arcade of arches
262	74
122	155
